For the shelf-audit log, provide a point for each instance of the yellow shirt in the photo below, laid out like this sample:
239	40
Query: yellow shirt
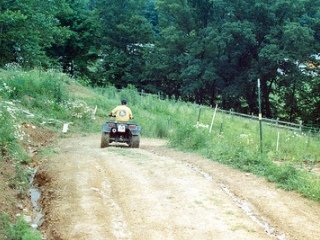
122	113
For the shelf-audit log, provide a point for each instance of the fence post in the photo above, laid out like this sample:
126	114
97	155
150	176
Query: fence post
260	114
198	121
221	128
230	113
300	127
142	92
213	117
278	135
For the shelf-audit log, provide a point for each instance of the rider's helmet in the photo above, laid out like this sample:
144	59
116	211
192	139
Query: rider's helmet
124	101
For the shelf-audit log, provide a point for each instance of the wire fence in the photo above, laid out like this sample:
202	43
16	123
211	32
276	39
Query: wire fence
276	122
315	129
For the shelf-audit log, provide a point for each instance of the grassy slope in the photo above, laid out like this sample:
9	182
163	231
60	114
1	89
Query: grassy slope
53	98
233	141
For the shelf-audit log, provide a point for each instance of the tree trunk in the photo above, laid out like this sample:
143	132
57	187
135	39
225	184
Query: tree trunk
212	96
265	97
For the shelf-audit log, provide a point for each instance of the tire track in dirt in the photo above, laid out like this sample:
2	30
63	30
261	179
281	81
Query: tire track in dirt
244	205
118	225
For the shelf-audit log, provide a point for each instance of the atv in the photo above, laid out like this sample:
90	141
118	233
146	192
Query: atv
126	132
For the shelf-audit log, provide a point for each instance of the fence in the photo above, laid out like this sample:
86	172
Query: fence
272	122
276	122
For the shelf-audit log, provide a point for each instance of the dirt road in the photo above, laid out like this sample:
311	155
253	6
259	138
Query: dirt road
158	193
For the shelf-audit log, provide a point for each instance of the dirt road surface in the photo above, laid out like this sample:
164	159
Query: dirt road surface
159	193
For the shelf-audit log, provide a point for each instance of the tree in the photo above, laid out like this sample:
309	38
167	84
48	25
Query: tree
82	48
125	33
28	28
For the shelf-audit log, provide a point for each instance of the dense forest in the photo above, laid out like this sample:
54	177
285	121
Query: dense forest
207	51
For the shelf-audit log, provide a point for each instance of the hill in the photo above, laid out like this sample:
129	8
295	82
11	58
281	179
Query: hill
36	104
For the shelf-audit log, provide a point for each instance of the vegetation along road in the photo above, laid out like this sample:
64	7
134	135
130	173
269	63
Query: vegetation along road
156	192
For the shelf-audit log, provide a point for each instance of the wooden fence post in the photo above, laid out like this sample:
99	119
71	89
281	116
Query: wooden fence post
213	117
199	114
142	92
278	136
221	128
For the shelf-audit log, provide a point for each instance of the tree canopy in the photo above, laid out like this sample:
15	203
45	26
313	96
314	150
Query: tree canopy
208	51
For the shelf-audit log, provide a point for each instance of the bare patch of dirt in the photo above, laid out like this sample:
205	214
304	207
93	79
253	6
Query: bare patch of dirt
159	193
36	138
8	195
12	201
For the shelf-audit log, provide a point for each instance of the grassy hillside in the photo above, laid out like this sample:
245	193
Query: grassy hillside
47	100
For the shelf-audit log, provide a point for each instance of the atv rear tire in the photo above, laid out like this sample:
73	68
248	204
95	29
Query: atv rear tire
134	142
105	138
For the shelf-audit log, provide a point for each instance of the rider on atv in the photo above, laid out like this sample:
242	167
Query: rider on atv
121	129
122	113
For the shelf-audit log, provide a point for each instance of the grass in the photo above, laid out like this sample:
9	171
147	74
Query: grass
237	144
51	98
19	230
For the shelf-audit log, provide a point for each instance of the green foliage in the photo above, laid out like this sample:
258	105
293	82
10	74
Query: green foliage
45	91
79	55
23	84
203	56
7	138
208	51
19	230
125	34
28	28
